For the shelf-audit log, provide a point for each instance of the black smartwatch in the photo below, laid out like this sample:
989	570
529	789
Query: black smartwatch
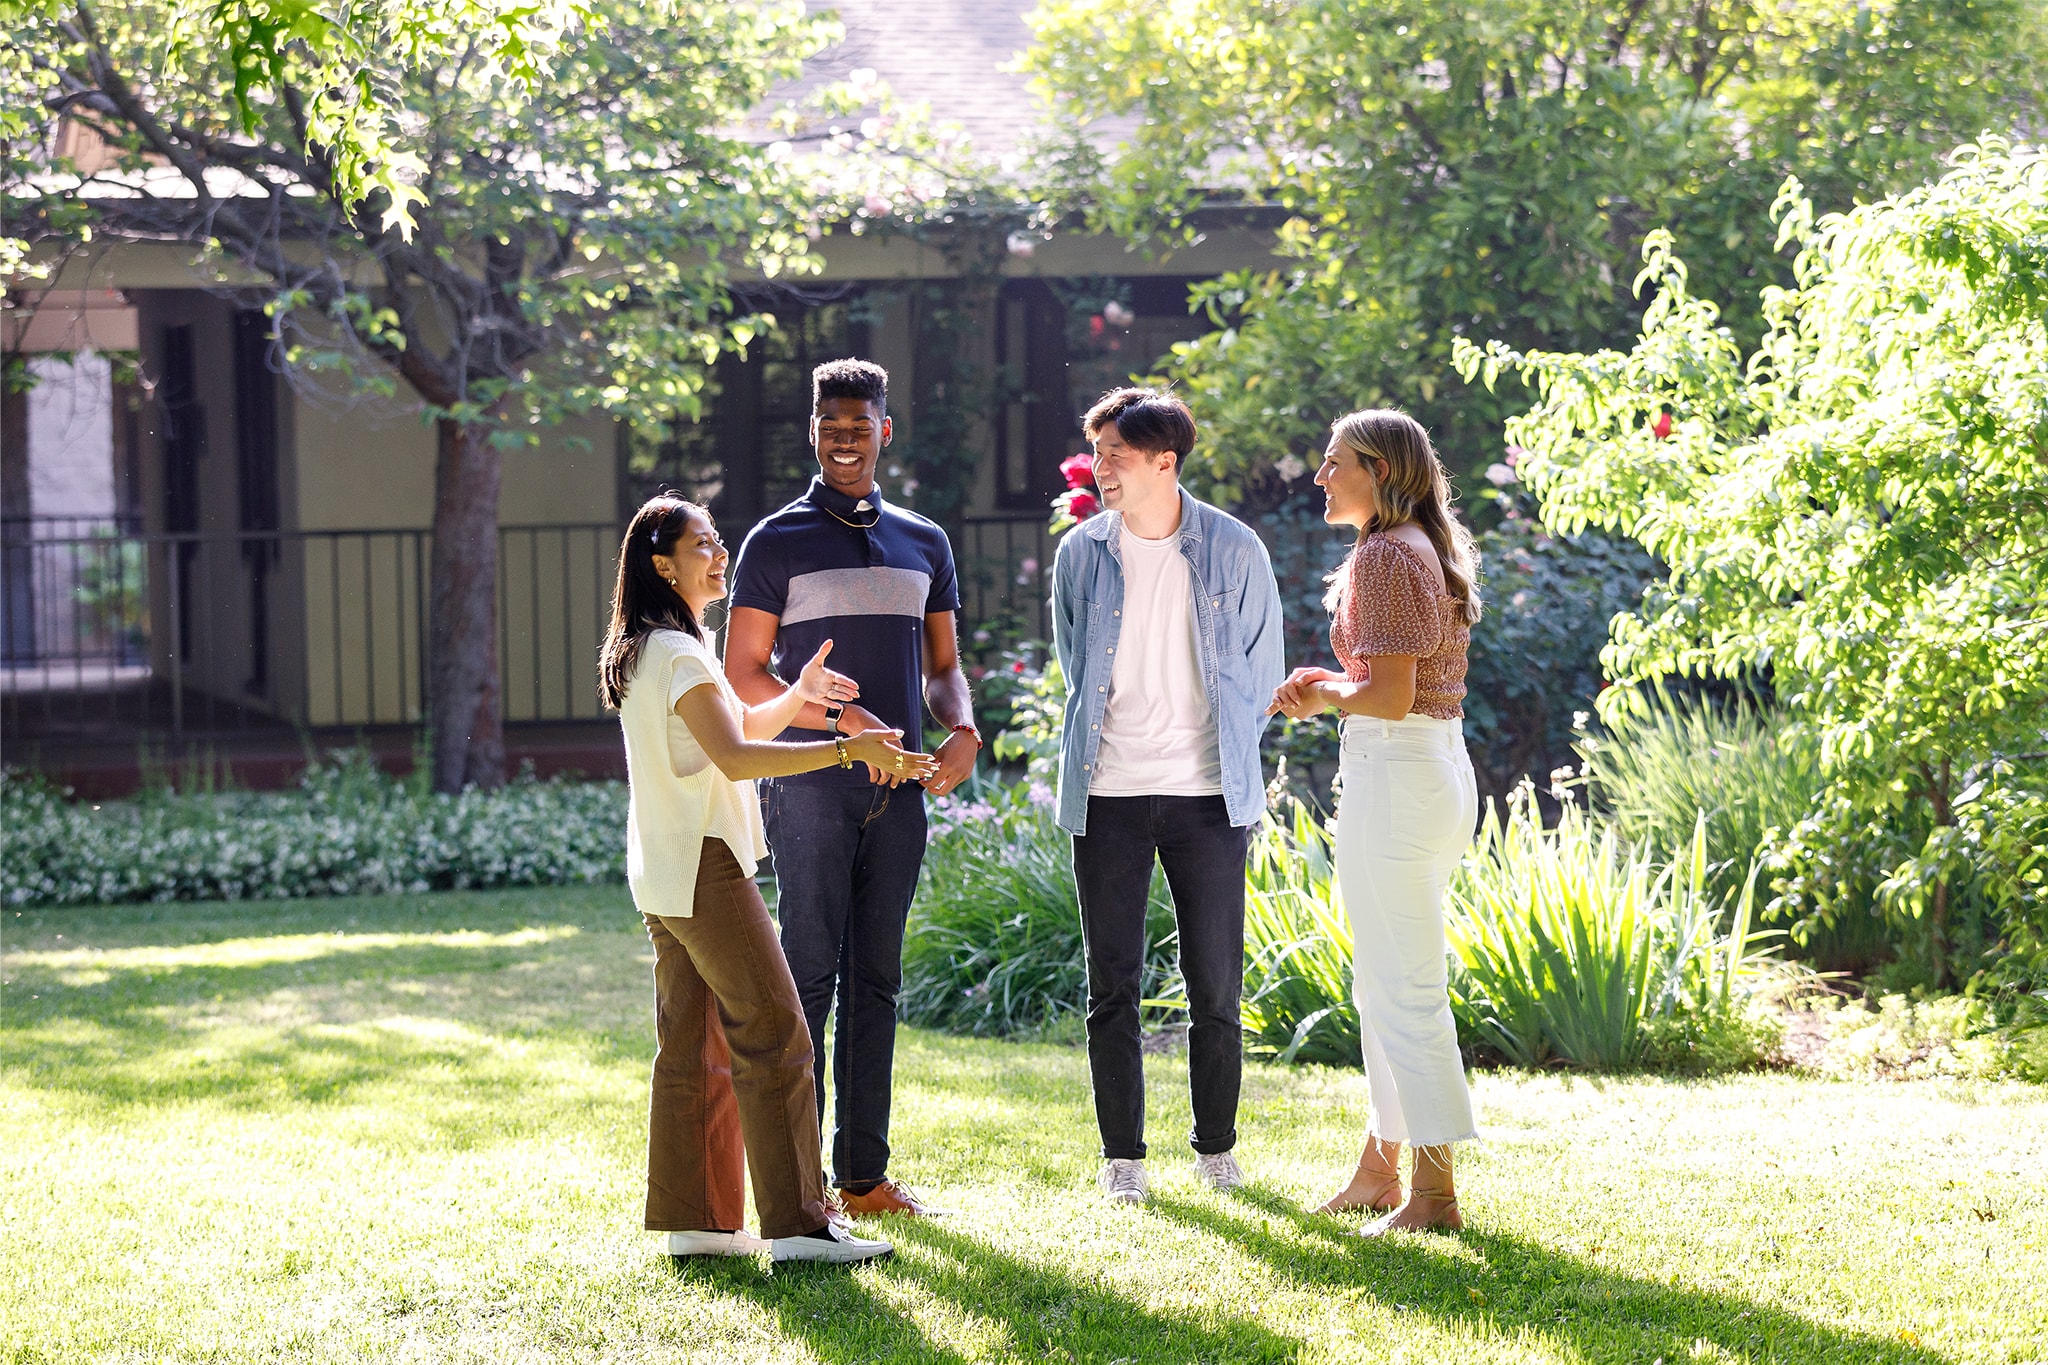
833	710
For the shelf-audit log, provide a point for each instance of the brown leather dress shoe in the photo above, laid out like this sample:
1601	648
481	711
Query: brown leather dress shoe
891	1196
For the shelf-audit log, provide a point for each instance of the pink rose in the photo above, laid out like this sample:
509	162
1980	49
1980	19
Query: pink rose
1661	428
1078	470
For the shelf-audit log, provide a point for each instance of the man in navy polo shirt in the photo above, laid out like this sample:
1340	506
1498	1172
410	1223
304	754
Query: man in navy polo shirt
840	564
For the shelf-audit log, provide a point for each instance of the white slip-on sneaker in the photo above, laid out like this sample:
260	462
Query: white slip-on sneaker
1123	1179
1218	1170
741	1243
834	1244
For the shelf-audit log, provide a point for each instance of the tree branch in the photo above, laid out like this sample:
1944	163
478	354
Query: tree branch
1618	34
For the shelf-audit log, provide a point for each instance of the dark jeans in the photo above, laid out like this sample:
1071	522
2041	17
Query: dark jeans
1203	856
846	863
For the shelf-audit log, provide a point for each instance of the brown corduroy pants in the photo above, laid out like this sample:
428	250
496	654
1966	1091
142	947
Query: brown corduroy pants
732	1065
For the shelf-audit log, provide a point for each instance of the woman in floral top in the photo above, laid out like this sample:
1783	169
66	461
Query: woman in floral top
1401	611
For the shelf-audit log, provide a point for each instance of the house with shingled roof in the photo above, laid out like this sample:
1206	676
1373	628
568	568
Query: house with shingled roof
263	586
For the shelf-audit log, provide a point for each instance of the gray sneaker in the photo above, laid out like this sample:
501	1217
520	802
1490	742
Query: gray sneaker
1123	1180
1218	1170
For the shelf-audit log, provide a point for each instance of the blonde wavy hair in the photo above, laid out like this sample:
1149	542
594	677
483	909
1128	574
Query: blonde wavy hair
1413	488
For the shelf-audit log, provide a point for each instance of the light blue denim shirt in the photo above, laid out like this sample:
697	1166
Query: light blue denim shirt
1237	617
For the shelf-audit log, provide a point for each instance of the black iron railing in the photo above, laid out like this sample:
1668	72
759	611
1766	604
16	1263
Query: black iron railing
106	628
225	631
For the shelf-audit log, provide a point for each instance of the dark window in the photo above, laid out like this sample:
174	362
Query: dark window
17	556
184	448
1038	427
256	490
1060	345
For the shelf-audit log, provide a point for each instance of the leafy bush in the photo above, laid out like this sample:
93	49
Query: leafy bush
994	942
1534	667
1857	507
1565	948
1754	778
1896	1037
348	829
1740	770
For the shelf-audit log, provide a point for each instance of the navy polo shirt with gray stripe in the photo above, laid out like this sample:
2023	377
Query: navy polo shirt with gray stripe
825	575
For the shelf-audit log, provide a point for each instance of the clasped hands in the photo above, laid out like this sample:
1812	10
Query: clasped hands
1306	694
870	742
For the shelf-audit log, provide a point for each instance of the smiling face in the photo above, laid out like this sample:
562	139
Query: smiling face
848	435
696	564
1133	481
1348	484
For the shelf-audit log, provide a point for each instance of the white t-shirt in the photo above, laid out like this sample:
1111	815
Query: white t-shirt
679	797
1158	734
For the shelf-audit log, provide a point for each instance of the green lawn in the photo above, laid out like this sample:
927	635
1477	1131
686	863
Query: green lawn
412	1129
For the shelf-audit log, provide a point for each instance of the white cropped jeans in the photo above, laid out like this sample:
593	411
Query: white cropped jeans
1404	817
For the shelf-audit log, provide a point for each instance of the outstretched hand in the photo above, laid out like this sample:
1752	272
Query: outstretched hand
887	759
819	683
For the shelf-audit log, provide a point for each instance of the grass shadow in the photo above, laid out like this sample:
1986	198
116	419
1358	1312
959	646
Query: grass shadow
323	1021
1038	1310
832	1309
176	923
1497	1284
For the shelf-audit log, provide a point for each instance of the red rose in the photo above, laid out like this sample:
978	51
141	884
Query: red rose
1017	667
1078	470
1083	506
1661	428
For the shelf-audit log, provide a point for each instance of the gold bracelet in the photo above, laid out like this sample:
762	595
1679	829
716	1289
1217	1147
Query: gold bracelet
845	759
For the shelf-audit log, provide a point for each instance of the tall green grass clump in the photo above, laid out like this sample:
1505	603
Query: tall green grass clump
1736	765
994	947
1566	948
1297	942
1570	945
1756	780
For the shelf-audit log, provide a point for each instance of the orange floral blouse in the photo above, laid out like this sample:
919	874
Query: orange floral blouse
1390	604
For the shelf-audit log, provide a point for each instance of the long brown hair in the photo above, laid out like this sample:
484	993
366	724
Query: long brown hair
1414	488
642	600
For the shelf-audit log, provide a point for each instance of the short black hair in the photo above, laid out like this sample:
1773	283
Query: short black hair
1147	419
862	379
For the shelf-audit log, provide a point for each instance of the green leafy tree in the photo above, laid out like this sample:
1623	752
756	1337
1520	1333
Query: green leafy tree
1490	168
341	62
574	215
1859	513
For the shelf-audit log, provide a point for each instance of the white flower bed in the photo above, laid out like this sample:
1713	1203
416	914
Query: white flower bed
347	830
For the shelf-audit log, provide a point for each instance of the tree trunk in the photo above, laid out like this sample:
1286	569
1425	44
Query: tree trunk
462	623
1938	790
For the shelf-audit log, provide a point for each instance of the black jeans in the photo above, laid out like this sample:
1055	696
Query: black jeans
1203	856
846	864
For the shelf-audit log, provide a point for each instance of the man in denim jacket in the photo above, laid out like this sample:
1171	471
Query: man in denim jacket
1166	620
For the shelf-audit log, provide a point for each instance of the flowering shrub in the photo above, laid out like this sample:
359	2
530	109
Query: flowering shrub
1081	500
348	829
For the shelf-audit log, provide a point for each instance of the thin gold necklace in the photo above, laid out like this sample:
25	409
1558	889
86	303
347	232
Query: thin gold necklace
856	525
